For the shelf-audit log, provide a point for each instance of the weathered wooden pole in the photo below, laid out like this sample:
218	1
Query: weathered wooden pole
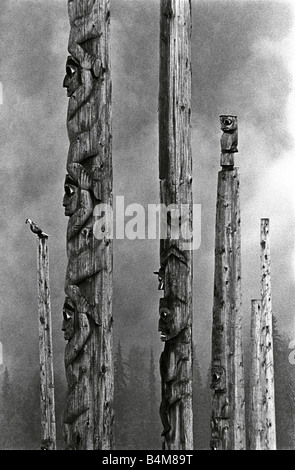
268	393
228	398
257	382
175	173
47	404
88	322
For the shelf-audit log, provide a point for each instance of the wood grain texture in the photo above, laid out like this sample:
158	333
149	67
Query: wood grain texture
257	382
227	383
268	391
47	402
88	322
175	172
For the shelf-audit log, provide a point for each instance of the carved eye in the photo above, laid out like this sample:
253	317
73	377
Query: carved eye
70	70
164	314
215	376
66	316
227	121
69	191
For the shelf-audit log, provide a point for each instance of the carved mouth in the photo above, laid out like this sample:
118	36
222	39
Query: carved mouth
163	336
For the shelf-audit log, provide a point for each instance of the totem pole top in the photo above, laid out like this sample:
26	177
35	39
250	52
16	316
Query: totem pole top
229	140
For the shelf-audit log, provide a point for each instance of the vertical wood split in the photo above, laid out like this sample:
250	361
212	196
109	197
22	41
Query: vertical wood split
262	432
227	369
268	392
175	273
257	384
48	430
88	322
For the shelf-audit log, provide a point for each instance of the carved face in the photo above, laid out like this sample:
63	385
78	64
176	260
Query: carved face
68	324
172	321
72	80
71	197
165	322
218	378
228	123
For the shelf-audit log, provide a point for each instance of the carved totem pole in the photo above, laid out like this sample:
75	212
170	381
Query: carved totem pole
227	380
175	273
47	399
88	415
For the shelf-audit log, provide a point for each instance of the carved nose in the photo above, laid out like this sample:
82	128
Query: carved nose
65	83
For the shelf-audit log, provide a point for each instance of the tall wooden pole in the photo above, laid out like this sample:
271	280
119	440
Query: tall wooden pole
175	274
228	400
268	393
88	322
47	403
256	405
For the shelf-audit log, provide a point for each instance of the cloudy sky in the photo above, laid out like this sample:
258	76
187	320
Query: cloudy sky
242	63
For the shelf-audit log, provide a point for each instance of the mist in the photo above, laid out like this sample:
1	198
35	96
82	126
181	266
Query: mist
241	54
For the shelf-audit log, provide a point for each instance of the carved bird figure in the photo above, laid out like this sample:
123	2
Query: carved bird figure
35	229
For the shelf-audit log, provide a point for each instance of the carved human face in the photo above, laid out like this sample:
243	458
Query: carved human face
165	322
68	324
72	80
228	123
218	378
71	198
172	321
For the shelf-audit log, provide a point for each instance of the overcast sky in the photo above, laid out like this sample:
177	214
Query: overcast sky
242	62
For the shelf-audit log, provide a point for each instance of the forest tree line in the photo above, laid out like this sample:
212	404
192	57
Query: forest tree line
137	401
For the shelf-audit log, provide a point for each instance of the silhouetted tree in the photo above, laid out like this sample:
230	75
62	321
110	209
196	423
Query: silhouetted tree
201	407
284	391
137	399
154	422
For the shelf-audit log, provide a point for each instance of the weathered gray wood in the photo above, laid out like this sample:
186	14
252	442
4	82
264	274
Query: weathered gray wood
48	430
228	401
88	415
175	274
257	382
268	392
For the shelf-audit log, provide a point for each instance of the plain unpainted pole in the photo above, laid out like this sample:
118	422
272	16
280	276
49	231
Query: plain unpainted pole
256	422
47	401
268	392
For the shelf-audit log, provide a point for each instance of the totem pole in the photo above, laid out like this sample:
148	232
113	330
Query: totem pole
227	380
88	414
47	400
175	273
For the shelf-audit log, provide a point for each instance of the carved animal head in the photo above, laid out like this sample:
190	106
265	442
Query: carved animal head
229	138
68	324
161	278
71	197
72	80
228	123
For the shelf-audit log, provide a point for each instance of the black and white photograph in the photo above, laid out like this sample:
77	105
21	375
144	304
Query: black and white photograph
147	285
